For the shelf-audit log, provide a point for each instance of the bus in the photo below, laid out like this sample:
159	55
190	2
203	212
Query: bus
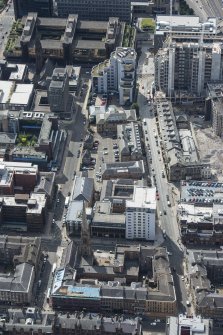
48	296
54	268
67	200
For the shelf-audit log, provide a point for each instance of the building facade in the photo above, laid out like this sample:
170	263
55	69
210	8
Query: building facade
58	91
141	214
42	7
188	66
117	75
214	107
96	9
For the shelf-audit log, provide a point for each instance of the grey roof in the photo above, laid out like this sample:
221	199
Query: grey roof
117	168
74	212
7	138
45	183
47	321
83	189
20	281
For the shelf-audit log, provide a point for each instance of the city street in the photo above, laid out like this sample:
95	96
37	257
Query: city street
168	221
206	8
6	21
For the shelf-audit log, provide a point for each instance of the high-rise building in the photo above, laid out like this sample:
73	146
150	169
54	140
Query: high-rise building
58	91
116	75
141	214
98	9
42	7
188	66
188	54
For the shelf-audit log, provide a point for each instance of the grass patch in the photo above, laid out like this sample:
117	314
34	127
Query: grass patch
148	24
14	34
129	36
26	140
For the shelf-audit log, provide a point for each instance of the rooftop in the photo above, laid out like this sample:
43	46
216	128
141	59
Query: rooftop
202	192
144	197
6	89
184	23
196	325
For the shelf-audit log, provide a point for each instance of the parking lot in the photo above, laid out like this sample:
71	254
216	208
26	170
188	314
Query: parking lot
202	192
105	150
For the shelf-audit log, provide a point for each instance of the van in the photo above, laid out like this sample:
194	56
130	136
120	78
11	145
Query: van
67	200
188	303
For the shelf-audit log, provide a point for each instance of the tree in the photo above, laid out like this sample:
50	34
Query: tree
136	107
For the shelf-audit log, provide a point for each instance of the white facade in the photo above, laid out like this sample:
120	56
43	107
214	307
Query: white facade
141	214
116	75
188	66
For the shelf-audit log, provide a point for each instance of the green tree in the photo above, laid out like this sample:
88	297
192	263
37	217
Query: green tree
136	107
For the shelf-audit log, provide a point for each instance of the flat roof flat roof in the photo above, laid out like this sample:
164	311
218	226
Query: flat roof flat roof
83	292
89	44
5	90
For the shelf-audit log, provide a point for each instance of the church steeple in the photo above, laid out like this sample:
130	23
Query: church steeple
86	250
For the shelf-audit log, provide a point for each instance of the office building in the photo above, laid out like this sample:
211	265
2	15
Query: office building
187	60
58	91
106	223
67	40
96	9
116	75
23	212
183	28
141	214
42	7
189	325
118	191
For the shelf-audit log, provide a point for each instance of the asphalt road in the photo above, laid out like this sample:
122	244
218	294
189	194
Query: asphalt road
6	21
206	8
168	221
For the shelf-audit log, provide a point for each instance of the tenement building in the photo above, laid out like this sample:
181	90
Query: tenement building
22	254
178	147
109	281
205	275
32	320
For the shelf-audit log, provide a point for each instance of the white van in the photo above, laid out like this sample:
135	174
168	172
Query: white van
67	200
